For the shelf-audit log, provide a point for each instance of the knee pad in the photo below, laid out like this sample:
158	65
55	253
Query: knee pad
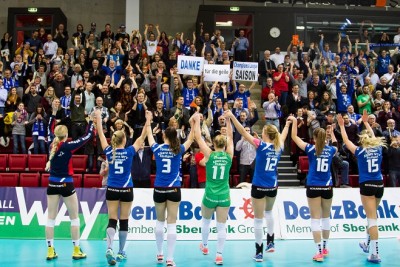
50	223
123	225
75	222
112	223
171	228
372	222
258	223
326	224
315	225
221	228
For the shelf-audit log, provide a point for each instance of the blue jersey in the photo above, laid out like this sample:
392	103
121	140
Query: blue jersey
243	96
319	171
119	171
168	166
189	95
369	164
267	158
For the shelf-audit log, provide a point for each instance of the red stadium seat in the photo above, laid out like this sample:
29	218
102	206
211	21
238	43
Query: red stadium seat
186	181
234	167
353	180
79	163
17	162
77	180
92	180
37	163
9	179
303	164
29	179
44	179
3	162
152	180
235	180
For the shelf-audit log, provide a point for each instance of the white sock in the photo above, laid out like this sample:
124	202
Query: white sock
373	248
221	237
50	242
258	230
159	232
367	239
319	247
171	240
205	230
324	243
75	243
270	222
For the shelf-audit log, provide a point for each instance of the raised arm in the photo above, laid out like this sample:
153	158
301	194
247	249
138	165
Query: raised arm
285	131
103	140
300	143
229	140
190	138
350	146
197	134
138	143
147	128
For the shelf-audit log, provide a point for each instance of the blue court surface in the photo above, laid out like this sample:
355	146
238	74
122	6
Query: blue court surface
293	253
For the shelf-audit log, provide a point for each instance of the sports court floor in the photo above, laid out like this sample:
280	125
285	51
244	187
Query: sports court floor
293	253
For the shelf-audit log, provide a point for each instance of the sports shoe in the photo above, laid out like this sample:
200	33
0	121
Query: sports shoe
171	264
203	249
218	260
121	256
110	257
318	257
258	257
364	246
270	247
51	254
374	258
160	258
325	252
77	253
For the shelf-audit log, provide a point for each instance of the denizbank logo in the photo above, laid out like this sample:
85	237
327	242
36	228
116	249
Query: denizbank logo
348	210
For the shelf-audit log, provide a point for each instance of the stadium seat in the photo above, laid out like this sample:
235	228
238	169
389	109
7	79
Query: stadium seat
92	180
303	164
235	180
234	167
44	179
152	180
29	179
17	162
3	162
77	180
9	179
37	163
79	163
186	181
353	180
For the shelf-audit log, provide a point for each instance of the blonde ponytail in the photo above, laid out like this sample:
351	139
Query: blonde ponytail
60	132
116	140
319	137
273	134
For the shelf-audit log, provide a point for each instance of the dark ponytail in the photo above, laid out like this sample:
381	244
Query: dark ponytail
172	135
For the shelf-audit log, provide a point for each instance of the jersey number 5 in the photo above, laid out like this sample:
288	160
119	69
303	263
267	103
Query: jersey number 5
166	166
118	168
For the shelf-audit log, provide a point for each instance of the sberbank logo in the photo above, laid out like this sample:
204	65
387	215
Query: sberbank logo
347	210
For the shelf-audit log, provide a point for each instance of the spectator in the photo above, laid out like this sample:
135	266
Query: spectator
38	120
247	157
19	121
241	45
141	167
266	67
50	47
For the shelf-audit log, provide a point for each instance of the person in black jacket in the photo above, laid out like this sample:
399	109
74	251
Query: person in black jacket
141	167
266	67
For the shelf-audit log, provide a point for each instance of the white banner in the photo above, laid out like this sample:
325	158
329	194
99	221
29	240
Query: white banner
214	73
239	224
348	218
291	214
190	65
245	71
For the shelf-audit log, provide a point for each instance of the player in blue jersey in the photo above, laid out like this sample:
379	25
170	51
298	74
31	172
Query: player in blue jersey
119	184
369	158
265	179
167	193
61	185
319	184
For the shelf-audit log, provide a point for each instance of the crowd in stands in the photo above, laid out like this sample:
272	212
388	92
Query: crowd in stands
124	74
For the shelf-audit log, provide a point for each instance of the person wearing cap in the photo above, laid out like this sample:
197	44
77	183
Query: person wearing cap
344	51
122	33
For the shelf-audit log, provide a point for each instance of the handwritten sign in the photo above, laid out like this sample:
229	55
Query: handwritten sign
214	73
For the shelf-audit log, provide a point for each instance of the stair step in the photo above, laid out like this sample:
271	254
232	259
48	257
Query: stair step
289	183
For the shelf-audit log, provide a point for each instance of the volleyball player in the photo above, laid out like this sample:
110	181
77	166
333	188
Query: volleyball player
265	179
167	193
216	196
369	159
61	185
119	184
319	184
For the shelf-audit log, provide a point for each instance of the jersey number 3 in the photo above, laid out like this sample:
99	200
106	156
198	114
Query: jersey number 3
166	166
